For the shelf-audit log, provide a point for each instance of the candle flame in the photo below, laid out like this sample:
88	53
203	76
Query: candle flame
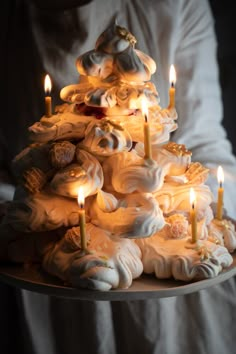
47	85
81	198
192	198
172	75
220	175
144	108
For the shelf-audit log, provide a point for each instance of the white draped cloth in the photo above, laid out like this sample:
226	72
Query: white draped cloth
179	32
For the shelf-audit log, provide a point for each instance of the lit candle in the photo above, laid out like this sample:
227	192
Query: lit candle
193	215
82	221
48	99
172	78
220	203
146	130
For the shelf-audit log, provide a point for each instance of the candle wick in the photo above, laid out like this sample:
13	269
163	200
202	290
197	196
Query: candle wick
81	205
172	84
221	184
145	117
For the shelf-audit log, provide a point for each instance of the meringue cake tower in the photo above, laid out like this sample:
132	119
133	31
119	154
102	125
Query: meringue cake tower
110	139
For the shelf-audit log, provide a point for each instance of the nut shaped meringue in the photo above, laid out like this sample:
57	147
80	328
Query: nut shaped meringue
109	263
87	173
62	154
176	226
34	180
197	173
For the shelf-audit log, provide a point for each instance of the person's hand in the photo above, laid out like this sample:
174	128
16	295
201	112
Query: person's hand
21	247
6	195
3	209
7	191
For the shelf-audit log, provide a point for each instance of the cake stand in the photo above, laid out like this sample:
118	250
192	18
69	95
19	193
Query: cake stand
34	279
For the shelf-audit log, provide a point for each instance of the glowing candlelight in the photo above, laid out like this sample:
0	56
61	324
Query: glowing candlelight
172	78
48	98
220	202
146	130
193	215
82	221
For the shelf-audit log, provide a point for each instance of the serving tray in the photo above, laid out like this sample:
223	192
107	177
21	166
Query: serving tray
34	278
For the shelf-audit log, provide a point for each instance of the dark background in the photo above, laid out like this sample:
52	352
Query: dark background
225	23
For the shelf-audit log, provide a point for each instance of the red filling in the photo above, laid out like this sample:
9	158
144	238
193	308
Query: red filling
97	112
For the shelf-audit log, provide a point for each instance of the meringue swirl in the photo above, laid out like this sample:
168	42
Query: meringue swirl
114	57
105	138
174	258
110	263
61	126
223	232
136	215
173	197
86	173
130	173
41	212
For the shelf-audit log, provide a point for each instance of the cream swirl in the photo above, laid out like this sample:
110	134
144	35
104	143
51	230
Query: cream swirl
106	201
41	212
87	173
110	262
123	94
61	126
168	258
136	215
75	93
130	173
174	197
159	132
114	57
113	74
173	156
